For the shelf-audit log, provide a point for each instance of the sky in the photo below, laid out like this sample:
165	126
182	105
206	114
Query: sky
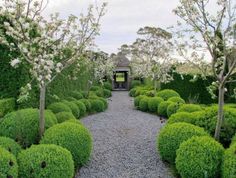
123	18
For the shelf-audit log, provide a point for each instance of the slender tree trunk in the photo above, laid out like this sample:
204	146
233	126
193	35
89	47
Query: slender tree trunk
220	118
42	111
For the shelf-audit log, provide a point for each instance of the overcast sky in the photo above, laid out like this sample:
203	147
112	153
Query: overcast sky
123	18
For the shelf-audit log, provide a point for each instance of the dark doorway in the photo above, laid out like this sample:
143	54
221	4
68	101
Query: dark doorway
121	80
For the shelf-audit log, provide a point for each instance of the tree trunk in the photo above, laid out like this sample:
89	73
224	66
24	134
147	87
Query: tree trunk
220	118
42	111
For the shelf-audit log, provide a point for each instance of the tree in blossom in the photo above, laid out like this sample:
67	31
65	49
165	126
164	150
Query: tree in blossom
47	46
212	33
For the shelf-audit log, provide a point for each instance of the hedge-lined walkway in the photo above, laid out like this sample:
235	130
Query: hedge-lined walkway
124	142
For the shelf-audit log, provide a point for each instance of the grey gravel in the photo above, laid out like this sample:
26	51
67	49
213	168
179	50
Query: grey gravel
124	142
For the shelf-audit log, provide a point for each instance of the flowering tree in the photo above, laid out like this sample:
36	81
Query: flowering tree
46	46
150	54
213	34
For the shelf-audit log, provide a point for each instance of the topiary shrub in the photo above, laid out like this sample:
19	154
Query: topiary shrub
135	83
107	93
82	108
59	107
100	93
74	108
64	116
77	95
6	106
104	102
172	108
74	137
107	85
189	108
228	168
23	125
233	140
9	166
70	99
181	117
171	136
176	100
199	157
140	91
153	104
167	93
143	104
10	145
95	88
137	100
97	105
151	93
162	108
45	161
87	104
132	92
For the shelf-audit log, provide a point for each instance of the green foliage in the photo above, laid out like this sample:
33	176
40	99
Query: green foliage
77	95
107	93
132	92
87	104
189	108
59	107
46	161
228	168
9	166
166	94
137	100
177	100
233	140
99	93
140	91
64	116
150	93
95	88
135	83
23	125
74	137
153	104
162	108
107	85
6	106
74	108
172	108
70	99
10	145
97	105
143	104
171	136
199	157
181	117
82	107
104	102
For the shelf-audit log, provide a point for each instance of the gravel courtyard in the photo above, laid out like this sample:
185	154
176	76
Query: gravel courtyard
124	142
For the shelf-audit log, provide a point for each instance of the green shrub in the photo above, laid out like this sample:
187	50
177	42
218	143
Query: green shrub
10	145
107	85
104	102
50	161
64	116
153	104
70	99
171	136
137	100
74	108
107	93
9	166
84	93
23	125
140	91
132	92
176	100
172	108
162	108
99	93
95	88
181	117
135	83
150	93
199	157
6	106
189	108
59	107
228	168
143	104
87	104
74	137
82	107
92	95
77	95
233	141
167	93
97	105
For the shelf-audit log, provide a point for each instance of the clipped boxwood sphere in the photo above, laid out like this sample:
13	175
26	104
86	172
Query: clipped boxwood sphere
107	93
132	92
140	91
23	125
97	105
189	108
143	104
99	93
8	164
137	100
87	104
199	157
176	100
95	88
172	108
162	108
77	95
59	107
153	104
10	145
167	93
171	136
70	99
107	85
104	102
74	137
46	161
81	107
181	117
228	168
64	116
151	93
74	108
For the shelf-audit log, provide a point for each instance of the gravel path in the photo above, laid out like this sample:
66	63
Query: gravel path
124	142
